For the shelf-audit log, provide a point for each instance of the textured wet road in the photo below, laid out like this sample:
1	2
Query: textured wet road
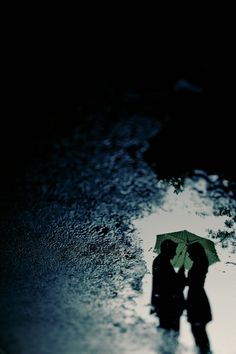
71	263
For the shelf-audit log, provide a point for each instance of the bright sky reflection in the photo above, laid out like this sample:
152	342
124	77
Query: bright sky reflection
191	211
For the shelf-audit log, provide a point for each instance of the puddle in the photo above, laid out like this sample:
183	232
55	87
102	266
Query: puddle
193	211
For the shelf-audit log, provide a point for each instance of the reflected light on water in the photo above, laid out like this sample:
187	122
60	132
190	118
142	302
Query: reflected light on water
192	211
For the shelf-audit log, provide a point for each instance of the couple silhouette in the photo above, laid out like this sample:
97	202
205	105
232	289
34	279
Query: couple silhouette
168	301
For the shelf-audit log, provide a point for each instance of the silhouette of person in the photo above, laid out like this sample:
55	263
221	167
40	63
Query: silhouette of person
167	298
198	307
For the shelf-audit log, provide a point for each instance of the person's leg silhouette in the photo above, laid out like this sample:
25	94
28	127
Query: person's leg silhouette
201	338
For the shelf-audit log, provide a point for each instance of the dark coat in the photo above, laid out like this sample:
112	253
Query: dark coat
167	289
198	307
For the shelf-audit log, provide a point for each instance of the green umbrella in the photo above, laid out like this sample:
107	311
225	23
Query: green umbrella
184	238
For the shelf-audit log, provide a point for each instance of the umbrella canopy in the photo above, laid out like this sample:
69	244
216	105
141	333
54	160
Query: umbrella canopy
184	238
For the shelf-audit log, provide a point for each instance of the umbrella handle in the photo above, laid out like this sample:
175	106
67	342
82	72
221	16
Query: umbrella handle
182	254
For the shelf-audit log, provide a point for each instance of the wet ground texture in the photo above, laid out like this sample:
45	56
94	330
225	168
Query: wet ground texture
71	262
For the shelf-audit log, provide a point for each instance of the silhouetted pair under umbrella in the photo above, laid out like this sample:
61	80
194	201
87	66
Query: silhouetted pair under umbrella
185	238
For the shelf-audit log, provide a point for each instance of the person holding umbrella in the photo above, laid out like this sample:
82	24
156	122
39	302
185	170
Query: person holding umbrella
198	307
195	254
167	298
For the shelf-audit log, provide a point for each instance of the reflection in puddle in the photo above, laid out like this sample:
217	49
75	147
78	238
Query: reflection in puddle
193	211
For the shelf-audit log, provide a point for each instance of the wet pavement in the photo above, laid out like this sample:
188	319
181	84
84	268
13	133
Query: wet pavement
73	263
70	258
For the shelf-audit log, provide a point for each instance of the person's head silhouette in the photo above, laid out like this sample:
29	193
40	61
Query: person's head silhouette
168	248
197	253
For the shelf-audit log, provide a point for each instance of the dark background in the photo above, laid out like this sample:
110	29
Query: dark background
47	84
